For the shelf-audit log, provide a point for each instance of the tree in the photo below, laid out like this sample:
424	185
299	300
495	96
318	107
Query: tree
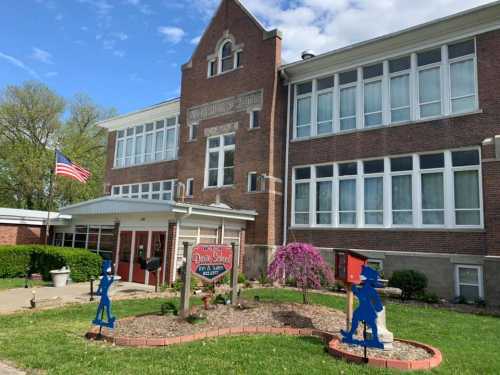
31	127
303	263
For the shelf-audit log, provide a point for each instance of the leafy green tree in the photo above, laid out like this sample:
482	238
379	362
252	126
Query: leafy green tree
32	125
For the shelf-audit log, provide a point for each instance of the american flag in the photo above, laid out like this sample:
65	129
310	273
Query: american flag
65	167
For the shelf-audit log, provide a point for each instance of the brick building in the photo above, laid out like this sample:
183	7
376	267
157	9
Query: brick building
388	147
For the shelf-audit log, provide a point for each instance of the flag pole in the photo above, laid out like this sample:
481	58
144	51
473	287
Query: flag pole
51	198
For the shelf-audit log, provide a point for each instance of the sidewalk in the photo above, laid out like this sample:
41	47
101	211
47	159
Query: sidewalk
18	299
7	370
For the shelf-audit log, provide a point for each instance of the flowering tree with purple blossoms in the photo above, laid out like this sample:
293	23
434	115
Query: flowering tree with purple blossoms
302	263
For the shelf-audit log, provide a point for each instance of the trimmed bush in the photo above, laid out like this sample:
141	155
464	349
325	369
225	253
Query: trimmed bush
16	260
411	282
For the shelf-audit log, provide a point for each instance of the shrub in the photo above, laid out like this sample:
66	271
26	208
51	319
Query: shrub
178	284
302	263
410	282
428	297
15	260
241	278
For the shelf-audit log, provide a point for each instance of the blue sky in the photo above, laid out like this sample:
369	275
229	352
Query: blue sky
127	54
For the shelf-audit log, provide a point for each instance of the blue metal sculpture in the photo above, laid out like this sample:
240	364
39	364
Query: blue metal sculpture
105	303
369	305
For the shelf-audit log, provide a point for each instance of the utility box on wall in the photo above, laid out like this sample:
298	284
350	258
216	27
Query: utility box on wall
348	266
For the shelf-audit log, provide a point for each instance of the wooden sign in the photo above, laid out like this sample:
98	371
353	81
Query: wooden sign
211	262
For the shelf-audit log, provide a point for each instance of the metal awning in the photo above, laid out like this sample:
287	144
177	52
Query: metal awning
115	205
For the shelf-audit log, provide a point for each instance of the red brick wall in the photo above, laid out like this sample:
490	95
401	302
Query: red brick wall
257	150
11	234
462	131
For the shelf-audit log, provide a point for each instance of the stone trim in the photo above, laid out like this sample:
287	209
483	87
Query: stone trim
423	364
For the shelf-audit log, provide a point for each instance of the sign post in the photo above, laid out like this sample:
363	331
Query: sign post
234	274
186	281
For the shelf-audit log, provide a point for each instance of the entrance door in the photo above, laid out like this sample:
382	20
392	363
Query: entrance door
124	255
158	250
141	249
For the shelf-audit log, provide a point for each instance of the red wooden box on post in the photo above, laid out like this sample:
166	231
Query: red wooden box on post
348	265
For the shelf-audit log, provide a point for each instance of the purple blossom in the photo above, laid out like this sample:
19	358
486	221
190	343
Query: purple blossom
302	263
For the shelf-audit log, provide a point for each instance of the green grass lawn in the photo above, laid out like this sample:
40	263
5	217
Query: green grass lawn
19	283
53	341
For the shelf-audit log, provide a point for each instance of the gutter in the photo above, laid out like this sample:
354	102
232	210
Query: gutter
287	146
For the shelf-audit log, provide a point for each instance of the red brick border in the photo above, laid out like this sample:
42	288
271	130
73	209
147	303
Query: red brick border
328	338
422	364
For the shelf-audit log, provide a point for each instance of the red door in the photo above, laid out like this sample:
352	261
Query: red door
124	257
157	250
141	249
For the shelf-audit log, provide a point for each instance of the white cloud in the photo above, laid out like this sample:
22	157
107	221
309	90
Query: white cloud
13	61
134	77
84	28
196	40
51	74
141	6
102	7
171	33
120	35
119	53
41	56
324	25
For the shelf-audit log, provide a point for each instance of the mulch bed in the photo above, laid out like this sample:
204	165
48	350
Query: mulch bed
222	316
259	314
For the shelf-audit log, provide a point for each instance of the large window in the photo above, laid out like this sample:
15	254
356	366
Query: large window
228	57
438	190
426	84
142	144
158	190
219	169
97	238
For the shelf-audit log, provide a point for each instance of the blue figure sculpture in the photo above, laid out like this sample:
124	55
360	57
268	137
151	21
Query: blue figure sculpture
105	303
369	305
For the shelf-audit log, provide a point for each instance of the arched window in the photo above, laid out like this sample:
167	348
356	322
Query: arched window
227	57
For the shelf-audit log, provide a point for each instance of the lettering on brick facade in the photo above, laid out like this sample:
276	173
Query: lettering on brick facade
240	103
221	129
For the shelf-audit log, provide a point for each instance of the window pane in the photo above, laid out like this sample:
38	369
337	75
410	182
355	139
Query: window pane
468	275
171	121
373	71
373	166
255	119
324	171
402	164
213	160
325	113
400	98
348	77
212	178
461	49
304	114
303	173
167	185
138	149
433	198
401	193
253	182
374	200
431	161
156	186
129	151
149	147
468	217
229	158
304	88
429	57
214	142
462	86
116	190
227	63
324	202
159	145
149	127
325	83
229	139
302	201
348	169
400	64
462	158
467	197
347	195
430	92
469	292
348	108
402	217
373	103
228	176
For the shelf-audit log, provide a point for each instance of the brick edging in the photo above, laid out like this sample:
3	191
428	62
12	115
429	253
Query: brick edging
328	338
220	332
421	364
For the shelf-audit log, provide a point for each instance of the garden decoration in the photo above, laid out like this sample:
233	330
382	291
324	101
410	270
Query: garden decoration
105	303
367	312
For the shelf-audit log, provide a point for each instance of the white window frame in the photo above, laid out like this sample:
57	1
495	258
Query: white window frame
120	160
382	97
309	95
252	117
367	176
314	183
356	105
142	193
414	77
221	149
317	93
480	284
379	262
410	89
416	180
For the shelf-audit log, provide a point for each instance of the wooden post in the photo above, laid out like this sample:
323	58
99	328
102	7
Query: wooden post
234	274
186	281
350	305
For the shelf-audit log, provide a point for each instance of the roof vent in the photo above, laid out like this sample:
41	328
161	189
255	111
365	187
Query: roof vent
308	54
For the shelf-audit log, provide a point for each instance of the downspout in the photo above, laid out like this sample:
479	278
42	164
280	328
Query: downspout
285	203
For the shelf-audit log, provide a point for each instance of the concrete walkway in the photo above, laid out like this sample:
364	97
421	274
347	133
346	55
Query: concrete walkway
13	300
7	370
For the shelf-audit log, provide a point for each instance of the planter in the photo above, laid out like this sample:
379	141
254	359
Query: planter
60	277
